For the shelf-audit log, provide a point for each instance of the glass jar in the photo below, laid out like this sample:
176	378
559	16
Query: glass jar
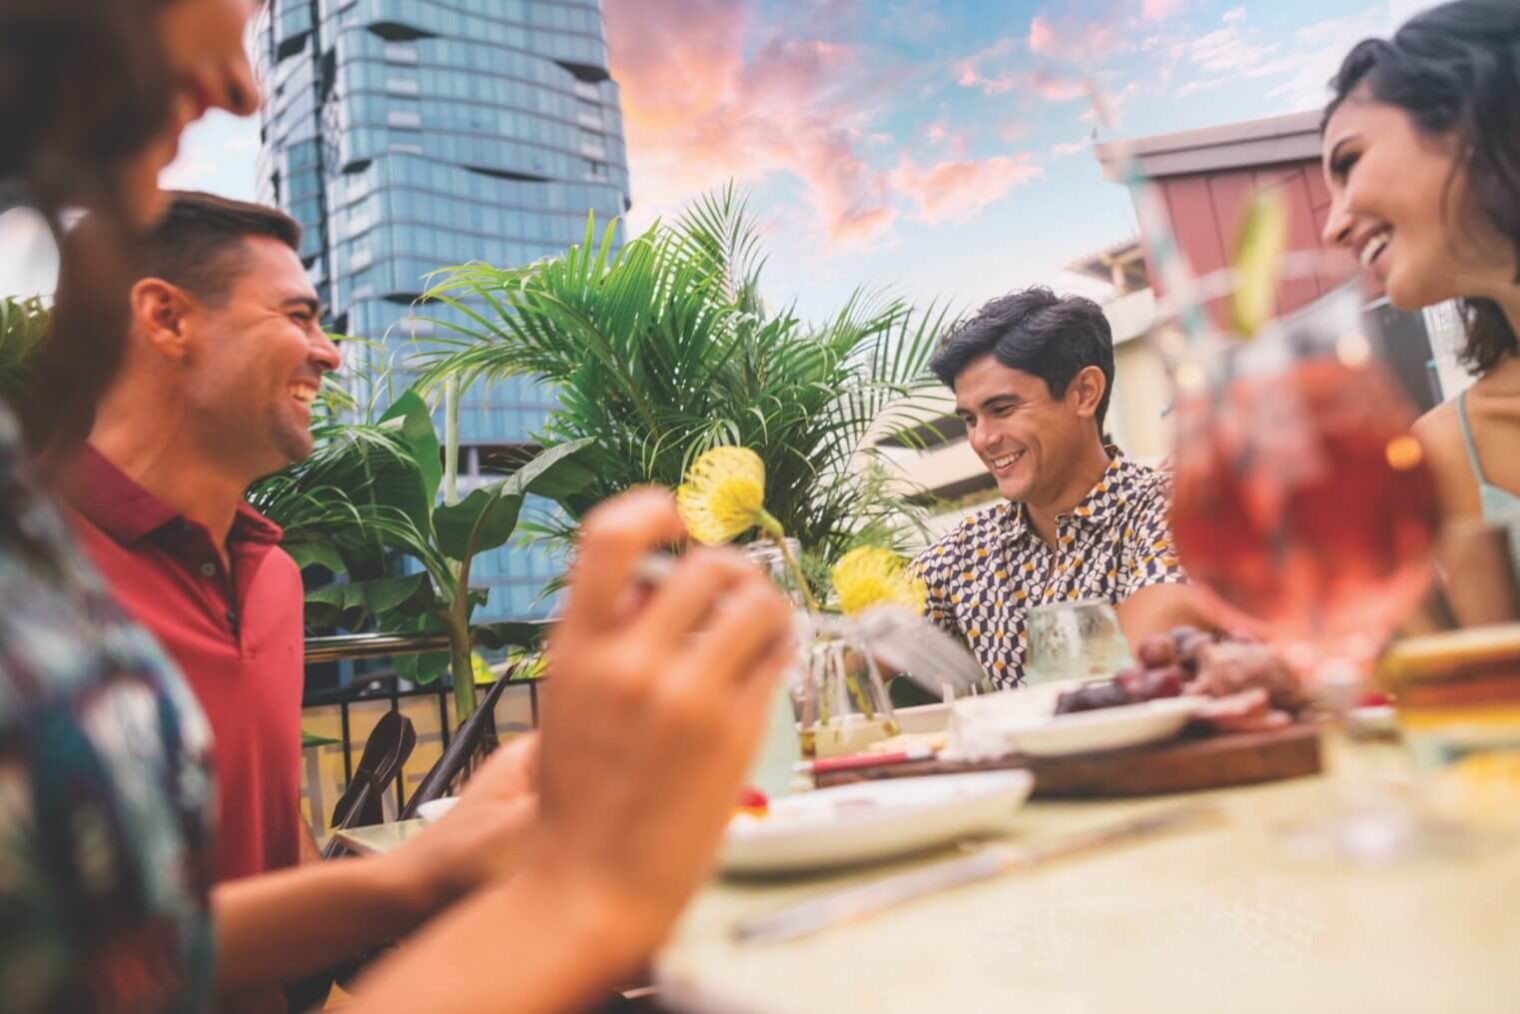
775	767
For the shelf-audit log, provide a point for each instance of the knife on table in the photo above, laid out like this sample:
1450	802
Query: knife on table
853	903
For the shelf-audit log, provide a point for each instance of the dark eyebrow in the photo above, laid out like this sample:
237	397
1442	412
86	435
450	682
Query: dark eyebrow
998	400
1335	153
309	303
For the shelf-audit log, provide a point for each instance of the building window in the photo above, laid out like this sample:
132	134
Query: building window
402	86
400	52
403	118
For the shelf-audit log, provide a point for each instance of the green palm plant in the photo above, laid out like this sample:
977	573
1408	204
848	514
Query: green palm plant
662	349
370	491
23	326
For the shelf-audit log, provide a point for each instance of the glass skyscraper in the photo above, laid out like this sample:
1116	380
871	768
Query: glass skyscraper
407	135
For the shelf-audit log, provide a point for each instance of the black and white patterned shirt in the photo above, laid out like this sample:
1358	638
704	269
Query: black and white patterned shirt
984	576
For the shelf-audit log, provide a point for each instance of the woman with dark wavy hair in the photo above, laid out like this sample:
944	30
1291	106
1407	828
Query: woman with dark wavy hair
1422	156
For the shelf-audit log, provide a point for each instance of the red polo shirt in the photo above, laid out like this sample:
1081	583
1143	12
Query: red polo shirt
237	636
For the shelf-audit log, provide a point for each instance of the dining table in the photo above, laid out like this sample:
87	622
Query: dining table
1215	917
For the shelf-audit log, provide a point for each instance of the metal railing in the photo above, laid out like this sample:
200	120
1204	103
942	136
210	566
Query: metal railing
357	647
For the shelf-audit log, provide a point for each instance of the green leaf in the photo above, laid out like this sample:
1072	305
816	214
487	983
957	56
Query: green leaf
416	426
492	510
23	327
423	670
487	517
310	739
316	554
350	604
510	634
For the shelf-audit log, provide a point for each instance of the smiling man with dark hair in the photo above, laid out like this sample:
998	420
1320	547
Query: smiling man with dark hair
223	358
1032	374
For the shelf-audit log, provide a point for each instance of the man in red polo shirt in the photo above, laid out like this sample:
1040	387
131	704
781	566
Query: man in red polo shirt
224	358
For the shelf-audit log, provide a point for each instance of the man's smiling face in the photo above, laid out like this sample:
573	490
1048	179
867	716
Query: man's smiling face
1023	434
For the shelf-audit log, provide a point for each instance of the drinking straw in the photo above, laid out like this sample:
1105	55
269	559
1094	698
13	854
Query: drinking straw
1155	227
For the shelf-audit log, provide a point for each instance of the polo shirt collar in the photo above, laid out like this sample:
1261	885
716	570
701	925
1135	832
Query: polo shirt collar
1093	509
127	512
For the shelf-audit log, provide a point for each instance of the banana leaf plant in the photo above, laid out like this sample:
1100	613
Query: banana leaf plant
371	493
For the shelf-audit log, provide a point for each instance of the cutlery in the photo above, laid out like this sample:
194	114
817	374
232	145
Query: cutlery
917	649
855	761
853	903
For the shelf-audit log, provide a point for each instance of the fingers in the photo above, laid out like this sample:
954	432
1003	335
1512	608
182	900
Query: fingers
511	770
613	538
747	627
686	597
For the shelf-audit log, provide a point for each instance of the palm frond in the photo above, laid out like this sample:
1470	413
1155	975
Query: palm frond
662	349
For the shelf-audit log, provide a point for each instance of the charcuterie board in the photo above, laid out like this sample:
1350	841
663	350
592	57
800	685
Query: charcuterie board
1189	763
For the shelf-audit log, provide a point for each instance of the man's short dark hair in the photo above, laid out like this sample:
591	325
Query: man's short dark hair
199	244
1037	332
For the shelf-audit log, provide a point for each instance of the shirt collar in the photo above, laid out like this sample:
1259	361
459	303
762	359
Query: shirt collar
1093	508
127	512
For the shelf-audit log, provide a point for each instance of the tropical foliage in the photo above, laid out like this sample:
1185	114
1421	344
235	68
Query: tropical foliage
23	325
369	493
662	350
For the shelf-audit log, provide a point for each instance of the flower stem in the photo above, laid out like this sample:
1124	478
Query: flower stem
771	527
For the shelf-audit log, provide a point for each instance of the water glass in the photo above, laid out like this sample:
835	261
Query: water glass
1074	641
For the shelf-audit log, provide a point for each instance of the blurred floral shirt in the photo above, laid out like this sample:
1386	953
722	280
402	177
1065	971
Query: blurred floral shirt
986	574
105	785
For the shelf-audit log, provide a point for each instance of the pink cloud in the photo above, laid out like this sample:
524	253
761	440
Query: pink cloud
1073	148
697	113
1067	37
955	190
1157	10
1013	130
1053	88
1042	35
1113	102
969	72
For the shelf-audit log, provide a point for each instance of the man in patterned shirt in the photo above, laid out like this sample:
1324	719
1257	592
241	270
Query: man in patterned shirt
1032	373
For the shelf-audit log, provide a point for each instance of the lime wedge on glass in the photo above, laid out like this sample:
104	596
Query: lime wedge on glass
1258	262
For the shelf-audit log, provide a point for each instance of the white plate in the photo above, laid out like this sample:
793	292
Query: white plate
1104	729
870	820
434	809
1024	721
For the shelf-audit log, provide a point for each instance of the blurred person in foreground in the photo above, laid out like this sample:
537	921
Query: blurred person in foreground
1421	147
580	845
1032	374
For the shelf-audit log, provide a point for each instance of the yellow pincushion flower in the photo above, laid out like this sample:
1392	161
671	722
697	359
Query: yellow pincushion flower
872	576
723	495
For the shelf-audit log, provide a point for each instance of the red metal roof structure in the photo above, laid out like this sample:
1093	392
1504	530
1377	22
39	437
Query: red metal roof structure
1207	178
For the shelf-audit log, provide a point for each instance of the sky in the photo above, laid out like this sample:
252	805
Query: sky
940	150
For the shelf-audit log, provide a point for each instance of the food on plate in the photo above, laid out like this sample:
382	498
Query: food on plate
1248	685
1092	697
1152	684
753	802
909	742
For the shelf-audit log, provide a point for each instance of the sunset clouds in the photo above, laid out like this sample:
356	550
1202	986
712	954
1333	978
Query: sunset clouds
713	92
943	140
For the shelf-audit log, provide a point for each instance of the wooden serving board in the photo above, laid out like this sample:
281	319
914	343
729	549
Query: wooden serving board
1187	764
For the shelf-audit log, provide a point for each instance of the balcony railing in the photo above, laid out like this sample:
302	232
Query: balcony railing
347	716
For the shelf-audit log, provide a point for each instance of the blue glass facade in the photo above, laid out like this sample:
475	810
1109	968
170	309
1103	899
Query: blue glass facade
406	135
